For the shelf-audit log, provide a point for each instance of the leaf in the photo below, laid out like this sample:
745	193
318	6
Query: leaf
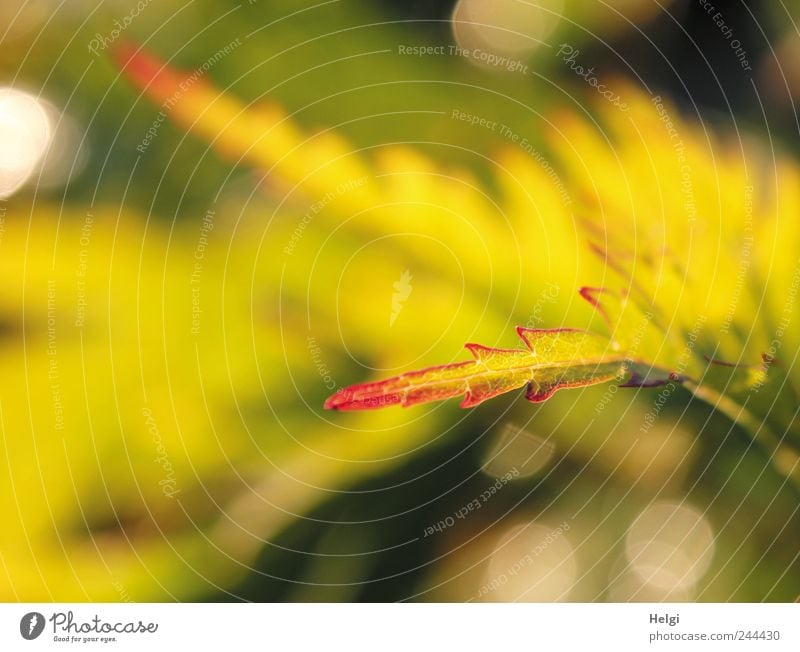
637	331
261	134
553	359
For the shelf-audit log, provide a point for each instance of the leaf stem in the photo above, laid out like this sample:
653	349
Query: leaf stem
782	454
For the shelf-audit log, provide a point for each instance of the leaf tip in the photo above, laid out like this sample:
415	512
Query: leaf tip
361	397
134	61
592	295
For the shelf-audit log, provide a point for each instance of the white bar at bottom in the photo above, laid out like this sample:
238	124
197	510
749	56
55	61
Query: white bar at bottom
401	627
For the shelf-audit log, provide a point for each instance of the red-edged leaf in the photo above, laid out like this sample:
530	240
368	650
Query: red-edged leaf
552	360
